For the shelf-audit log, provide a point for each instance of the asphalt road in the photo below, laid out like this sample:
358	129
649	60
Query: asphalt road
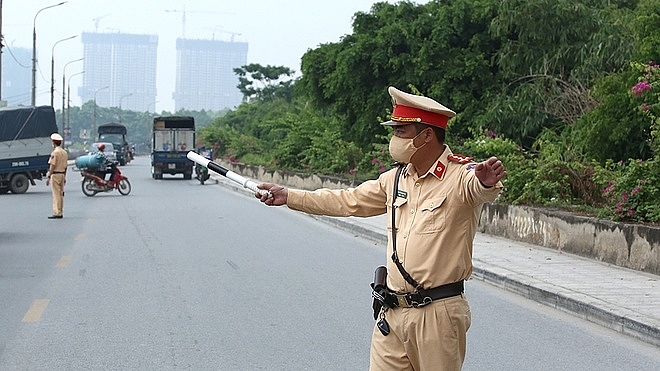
177	275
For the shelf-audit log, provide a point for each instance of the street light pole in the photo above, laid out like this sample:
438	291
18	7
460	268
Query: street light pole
52	69
120	99
64	87
151	104
34	53
67	129
94	121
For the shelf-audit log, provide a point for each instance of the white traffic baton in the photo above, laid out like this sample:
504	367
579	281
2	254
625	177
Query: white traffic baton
246	183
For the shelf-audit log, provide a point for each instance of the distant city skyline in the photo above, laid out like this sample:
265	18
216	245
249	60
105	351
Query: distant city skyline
120	70
278	32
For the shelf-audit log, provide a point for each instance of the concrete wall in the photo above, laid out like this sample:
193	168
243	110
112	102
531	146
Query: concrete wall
632	246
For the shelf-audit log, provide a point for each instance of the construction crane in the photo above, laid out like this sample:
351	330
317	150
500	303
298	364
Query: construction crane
222	30
183	16
232	34
96	22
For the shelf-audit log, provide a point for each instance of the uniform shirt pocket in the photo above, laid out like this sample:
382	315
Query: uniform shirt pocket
399	203
432	215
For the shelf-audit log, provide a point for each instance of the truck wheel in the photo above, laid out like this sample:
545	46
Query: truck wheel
19	184
156	173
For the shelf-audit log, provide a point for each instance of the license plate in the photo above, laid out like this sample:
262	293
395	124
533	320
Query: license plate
171	166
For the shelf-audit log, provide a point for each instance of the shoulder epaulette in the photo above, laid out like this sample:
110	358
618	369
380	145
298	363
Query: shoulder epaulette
459	158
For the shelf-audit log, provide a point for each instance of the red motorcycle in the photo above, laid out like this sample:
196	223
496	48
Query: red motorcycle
94	182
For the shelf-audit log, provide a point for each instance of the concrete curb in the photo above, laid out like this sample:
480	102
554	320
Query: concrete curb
555	298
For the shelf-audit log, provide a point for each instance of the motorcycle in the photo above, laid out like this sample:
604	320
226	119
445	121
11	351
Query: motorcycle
201	172
94	182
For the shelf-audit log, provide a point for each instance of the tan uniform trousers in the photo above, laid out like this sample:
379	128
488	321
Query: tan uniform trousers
432	337
57	182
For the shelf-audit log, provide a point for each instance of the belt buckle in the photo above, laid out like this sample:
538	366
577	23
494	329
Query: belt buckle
416	304
402	301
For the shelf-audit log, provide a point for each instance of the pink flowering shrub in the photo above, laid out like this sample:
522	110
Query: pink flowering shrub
633	191
647	90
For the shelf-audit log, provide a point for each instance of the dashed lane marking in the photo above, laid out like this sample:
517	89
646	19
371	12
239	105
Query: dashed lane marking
36	310
64	262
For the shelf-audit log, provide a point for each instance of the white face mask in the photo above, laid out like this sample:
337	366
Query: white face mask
402	150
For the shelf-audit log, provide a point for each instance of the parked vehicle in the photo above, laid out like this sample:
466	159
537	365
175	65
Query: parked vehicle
25	146
116	134
171	137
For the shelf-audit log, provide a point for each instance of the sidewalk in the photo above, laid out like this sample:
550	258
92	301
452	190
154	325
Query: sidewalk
621	299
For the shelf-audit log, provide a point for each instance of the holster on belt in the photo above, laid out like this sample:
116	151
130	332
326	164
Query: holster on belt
380	292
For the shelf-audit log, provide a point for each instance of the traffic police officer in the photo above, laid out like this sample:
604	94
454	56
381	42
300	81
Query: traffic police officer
436	207
57	175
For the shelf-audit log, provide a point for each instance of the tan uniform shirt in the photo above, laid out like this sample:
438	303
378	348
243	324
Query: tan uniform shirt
436	217
58	160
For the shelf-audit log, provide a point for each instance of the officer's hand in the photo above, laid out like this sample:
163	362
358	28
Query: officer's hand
490	172
277	197
47	182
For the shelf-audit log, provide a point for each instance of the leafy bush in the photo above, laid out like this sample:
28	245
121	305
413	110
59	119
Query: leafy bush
633	187
544	177
633	191
517	164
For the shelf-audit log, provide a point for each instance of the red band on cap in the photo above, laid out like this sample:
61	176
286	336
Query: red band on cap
410	114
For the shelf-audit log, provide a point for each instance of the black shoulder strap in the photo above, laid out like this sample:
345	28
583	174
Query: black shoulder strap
395	257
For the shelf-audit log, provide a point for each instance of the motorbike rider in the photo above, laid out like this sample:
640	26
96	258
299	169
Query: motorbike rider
108	166
207	153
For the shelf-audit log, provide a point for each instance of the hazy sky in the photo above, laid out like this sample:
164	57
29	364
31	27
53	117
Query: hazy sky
278	32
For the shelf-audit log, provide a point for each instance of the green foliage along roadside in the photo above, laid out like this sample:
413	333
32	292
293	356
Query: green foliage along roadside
549	86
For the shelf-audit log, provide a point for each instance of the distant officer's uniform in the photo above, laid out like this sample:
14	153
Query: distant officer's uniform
436	219
57	175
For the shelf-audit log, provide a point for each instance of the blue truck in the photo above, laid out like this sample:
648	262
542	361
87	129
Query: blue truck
172	138
25	146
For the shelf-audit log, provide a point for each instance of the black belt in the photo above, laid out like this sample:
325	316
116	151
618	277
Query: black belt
424	297
59	172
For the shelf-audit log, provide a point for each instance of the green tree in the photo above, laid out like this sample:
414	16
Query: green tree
265	82
552	53
442	49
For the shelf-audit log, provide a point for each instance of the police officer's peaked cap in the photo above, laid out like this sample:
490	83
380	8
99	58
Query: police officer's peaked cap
56	137
411	109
